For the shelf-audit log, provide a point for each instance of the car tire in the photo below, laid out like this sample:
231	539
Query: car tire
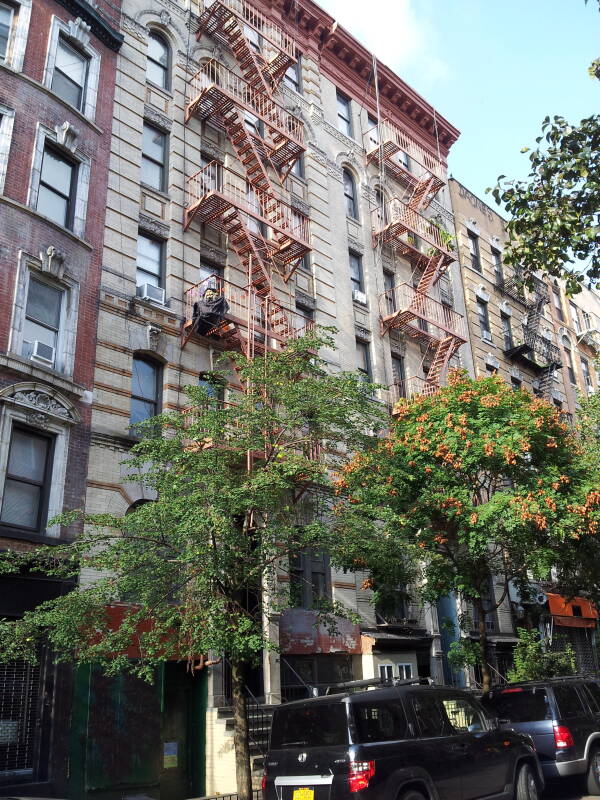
593	773
412	794
526	786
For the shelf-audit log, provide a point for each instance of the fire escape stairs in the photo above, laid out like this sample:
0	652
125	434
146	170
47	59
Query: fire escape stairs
444	351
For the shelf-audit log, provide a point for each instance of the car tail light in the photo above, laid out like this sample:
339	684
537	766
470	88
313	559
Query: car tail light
360	774
263	784
562	737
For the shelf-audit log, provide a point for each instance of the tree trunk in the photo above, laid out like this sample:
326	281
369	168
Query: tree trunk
486	675
240	731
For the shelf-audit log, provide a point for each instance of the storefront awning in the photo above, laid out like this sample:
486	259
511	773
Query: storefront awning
575	612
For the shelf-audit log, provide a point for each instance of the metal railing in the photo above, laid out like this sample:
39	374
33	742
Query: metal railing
400	220
214	75
538	344
388	133
437	317
409	388
246	309
513	286
261	206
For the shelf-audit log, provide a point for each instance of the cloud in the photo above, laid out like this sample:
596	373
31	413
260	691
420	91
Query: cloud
401	38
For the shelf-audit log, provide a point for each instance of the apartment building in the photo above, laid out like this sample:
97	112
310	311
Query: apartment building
57	71
260	185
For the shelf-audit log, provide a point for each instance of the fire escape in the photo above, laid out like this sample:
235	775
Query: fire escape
400	224
529	345
268	235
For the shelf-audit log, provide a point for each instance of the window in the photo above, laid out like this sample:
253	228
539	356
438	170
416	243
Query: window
515	383
497	264
308	578
474	251
144	389
253	37
405	671
569	355
575	318
520	705
154	148
398	369
373	128
303	318
56	193
558	305
292	76
363	359
350	195
149	261
209	274
157	64
587	375
298	168
558	404
569	703
484	319
491	369
506	331
464	715
27	483
431	716
380	721
389	282
594	691
7	118
344	114
70	74
587	321
43	313
7	13
213	385
356	273
386	672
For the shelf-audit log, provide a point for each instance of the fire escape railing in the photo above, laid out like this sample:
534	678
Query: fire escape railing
391	140
420	315
398	221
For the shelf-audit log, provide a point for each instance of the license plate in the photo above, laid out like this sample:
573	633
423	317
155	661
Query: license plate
304	794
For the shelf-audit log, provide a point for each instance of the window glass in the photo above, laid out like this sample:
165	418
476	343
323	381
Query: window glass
153	157
506	331
405	671
431	716
157	65
350	195
292	76
569	704
144	390
70	71
355	271
362	358
26	474
315	726
398	369
519	705
42	316
55	190
464	715
6	17
380	722
594	690
149	261
484	320
344	119
497	262
474	251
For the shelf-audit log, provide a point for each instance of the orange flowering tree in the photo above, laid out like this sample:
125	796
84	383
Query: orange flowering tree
473	481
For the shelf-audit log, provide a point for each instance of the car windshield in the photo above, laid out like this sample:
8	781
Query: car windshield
519	704
319	725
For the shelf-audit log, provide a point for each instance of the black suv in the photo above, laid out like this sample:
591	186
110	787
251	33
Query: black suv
403	742
563	718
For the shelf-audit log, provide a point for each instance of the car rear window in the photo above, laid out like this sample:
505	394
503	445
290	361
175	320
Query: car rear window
380	722
569	703
519	704
322	725
594	690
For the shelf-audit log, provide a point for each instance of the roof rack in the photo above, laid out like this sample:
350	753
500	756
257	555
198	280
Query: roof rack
556	679
363	684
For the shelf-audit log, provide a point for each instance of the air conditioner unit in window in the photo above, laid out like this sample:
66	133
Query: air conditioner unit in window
359	296
43	353
147	291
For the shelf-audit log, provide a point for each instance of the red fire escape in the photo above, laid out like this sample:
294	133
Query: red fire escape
267	234
400	224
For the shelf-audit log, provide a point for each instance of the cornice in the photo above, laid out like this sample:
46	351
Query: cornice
100	28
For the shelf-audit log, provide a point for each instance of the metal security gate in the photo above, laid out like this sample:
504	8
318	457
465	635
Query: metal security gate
19	701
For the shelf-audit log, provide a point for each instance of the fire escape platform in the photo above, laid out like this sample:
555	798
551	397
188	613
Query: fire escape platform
402	221
420	316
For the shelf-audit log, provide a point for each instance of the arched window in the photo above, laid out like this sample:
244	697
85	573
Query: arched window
158	62
145	389
350	195
569	355
382	215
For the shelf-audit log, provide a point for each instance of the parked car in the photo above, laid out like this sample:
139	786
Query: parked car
403	742
562	716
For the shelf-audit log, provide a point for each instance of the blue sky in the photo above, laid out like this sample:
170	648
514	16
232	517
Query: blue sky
493	68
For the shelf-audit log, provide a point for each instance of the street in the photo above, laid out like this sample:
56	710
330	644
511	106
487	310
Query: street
571	789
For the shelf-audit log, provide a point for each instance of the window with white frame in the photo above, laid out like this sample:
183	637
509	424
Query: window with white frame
27	480
73	65
344	114
154	157
14	24
43	316
149	261
158	60
57	187
386	672
292	76
7	118
405	671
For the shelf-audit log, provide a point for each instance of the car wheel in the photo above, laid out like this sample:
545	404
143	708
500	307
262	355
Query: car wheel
593	773
527	788
412	794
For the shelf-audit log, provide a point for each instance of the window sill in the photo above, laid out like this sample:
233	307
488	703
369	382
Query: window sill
47	220
159	192
60	380
167	92
30	536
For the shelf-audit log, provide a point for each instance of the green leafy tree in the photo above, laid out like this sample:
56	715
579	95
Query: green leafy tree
554	214
473	481
239	487
533	662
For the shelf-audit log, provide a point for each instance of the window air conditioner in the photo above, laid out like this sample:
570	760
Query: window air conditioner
43	353
359	296
148	291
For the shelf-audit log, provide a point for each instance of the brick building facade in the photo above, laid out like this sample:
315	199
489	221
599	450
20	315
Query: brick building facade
57	76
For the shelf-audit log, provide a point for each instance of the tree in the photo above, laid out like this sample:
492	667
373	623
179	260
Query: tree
534	663
554	214
474	481
239	487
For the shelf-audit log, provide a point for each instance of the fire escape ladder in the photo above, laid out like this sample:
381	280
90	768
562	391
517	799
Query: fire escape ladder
443	353
246	150
435	268
545	380
423	192
252	64
251	251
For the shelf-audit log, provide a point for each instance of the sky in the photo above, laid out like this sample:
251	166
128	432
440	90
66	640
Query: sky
493	68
